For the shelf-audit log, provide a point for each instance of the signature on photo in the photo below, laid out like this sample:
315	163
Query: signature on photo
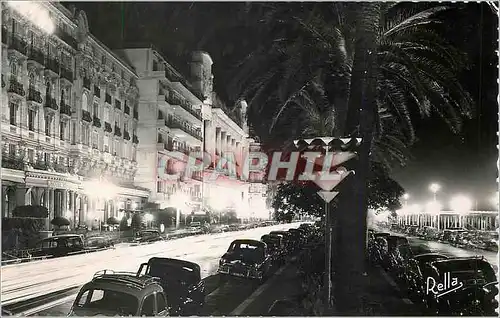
448	285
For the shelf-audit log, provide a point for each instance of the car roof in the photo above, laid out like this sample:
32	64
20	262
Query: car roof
248	241
463	261
429	255
174	262
124	282
63	236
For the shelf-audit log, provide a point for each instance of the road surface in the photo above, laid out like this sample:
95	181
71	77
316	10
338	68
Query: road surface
29	280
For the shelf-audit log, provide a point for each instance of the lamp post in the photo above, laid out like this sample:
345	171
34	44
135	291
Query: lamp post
406	196
327	185
434	188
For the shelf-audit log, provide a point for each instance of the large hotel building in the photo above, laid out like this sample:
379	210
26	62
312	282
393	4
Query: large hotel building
83	127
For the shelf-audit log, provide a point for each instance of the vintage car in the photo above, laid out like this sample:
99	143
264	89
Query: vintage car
120	294
98	242
60	245
181	282
275	247
246	258
416	272
297	238
397	247
461	287
147	236
286	237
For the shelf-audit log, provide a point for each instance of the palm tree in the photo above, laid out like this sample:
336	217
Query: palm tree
392	66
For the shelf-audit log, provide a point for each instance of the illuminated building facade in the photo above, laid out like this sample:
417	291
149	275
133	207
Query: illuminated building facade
69	117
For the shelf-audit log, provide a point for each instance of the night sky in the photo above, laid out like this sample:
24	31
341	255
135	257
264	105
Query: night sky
464	163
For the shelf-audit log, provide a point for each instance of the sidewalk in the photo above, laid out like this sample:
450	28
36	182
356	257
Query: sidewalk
284	295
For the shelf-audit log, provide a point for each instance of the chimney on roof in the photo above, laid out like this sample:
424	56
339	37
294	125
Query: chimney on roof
201	74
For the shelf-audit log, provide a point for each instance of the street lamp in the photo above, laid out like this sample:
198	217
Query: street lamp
406	196
434	188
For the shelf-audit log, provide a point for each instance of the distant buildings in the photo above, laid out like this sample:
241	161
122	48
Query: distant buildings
83	127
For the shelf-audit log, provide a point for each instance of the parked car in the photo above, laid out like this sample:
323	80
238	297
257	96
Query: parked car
275	247
97	242
417	270
474	298
286	237
181	282
246	258
147	236
60	245
120	294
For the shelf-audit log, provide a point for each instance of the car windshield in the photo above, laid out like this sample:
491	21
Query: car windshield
174	273
108	301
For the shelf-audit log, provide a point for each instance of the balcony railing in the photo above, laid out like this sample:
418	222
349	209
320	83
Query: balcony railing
65	109
97	91
37	56
126	109
118	131
187	107
19	45
50	102
108	98
16	87
107	127
118	104
135	140
34	95
86	83
176	124
86	116
67	74
12	162
61	168
126	135
136	114
52	65
96	122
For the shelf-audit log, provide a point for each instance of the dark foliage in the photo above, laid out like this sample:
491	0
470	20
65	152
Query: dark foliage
60	221
136	222
33	211
124	224
21	232
112	221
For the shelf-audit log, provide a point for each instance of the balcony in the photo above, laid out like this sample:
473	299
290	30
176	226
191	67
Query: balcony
52	67
16	87
97	91
18	46
61	168
107	127
136	114
176	125
86	83
86	116
51	103
107	98
118	104
126	135
186	106
36	56
96	122
126	109
66	74
41	165
12	162
34	96
118	131
135	140
66	38
65	109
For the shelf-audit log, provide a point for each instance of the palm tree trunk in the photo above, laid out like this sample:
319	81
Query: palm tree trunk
351	242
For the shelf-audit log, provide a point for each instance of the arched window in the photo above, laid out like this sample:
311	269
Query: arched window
84	102
63	95
48	90
32	81
13	69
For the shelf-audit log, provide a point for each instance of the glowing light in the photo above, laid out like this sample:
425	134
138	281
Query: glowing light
433	207
434	187
148	217
35	12
69	214
100	189
415	209
461	203
406	196
179	200
133	206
